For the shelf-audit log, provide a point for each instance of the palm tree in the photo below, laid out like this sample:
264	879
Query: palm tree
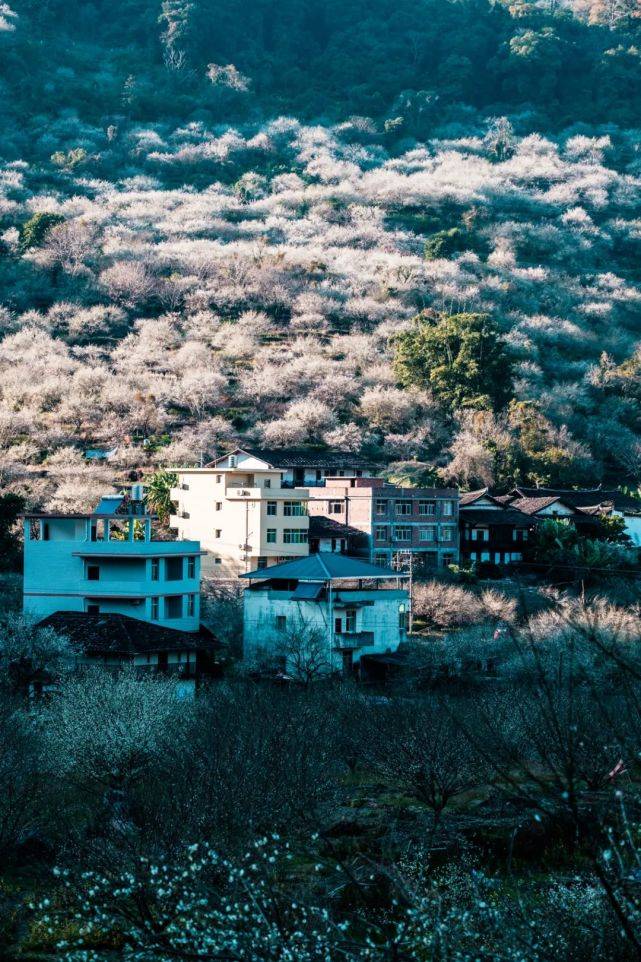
157	493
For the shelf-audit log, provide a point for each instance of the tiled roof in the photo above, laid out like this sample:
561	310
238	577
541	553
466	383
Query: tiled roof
302	458
469	497
500	516
584	497
324	566
122	635
534	505
322	527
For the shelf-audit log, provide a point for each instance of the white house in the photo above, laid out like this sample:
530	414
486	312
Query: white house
107	562
242	512
323	613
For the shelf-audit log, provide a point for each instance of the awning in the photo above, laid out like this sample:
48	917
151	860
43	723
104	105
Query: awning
307	591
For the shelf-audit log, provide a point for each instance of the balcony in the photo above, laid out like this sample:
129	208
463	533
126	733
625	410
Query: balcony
353	639
265	494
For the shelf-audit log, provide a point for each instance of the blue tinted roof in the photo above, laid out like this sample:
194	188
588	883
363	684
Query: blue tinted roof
324	566
308	590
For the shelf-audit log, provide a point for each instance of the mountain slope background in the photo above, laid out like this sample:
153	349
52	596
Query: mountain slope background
219	222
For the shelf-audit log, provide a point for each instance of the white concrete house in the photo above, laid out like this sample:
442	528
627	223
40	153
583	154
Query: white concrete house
323	612
107	562
242	513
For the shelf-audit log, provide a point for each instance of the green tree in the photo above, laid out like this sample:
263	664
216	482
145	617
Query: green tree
461	357
34	231
158	496
445	243
569	554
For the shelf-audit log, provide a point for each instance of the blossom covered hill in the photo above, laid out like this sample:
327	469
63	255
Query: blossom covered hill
169	287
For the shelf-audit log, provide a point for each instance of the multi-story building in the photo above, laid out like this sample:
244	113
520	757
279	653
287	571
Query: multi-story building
321	614
242	513
108	562
492	532
399	523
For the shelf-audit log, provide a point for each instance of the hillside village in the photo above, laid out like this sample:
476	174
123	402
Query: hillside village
320	481
328	555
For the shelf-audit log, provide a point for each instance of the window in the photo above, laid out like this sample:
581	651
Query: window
381	559
267	483
281	622
427	534
219	479
174	569
447	533
218	532
45	531
404	507
98	530
335	507
447	507
350	619
154	609
191	567
155	569
272	508
381	532
261	562
485	555
93	609
173	606
427	507
478	534
218	561
294	509
191	605
381	506
516	556
338	625
93	573
403	533
271	536
219	506
233	460
295	536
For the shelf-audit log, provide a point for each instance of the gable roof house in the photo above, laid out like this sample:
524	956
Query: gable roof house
322	614
114	641
491	531
590	502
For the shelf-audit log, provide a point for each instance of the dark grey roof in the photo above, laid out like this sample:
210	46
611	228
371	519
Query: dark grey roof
323	527
302	458
584	497
121	635
490	516
324	566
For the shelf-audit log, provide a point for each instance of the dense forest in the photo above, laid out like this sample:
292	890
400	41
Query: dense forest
224	222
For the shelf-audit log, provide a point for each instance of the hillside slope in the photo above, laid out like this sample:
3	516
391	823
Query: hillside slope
215	223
